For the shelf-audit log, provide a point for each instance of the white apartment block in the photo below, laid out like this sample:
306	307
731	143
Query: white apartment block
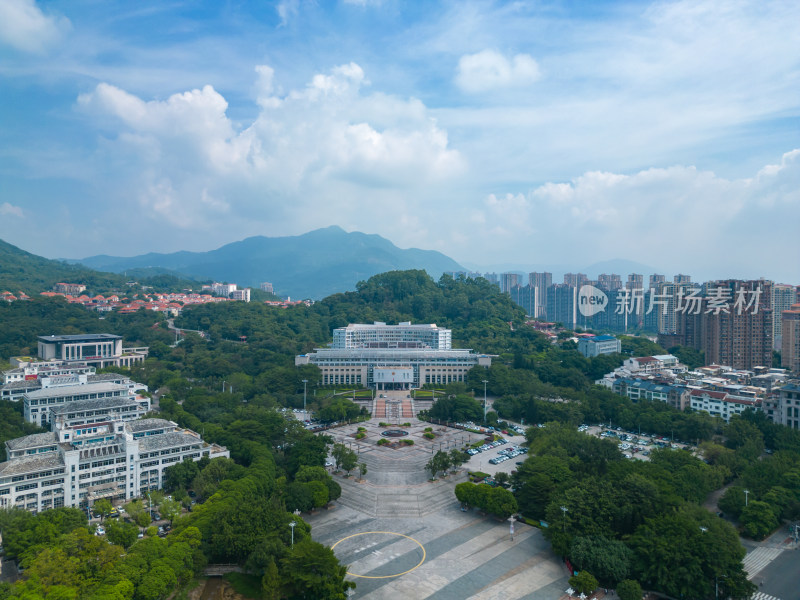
30	370
78	463
16	390
721	404
241	295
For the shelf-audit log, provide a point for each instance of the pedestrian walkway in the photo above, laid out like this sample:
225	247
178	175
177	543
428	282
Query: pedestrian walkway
759	558
763	596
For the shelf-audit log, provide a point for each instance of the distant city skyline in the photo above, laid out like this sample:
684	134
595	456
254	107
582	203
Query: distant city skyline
494	132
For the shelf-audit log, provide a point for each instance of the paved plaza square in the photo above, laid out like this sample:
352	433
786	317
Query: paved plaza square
405	537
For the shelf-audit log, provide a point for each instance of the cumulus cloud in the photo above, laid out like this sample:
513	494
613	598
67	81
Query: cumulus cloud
10	210
489	70
687	216
328	146
25	27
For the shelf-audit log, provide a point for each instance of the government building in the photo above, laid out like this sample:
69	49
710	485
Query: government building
392	357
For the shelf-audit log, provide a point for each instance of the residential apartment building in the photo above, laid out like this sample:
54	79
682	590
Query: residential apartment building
77	463
721	404
783	298
540	281
790	339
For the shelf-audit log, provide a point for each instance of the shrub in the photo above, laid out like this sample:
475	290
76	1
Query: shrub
382	424
408	442
361	435
383	442
428	429
429	435
362	428
406	424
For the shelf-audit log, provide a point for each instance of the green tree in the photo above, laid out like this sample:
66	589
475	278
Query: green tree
349	460
121	533
271	582
103	507
609	560
583	583
758	519
629	589
312	571
170	509
362	469
502	478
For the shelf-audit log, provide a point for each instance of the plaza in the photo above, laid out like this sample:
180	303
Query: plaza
403	536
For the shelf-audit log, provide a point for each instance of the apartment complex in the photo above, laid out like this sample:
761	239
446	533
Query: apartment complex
790	339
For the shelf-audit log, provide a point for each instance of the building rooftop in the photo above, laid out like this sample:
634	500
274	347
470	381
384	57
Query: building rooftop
32	441
148	424
81	337
602	338
28	464
97	404
67	390
167	440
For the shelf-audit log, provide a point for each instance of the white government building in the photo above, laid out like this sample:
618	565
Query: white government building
402	356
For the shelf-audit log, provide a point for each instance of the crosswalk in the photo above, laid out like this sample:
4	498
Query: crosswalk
763	596
759	558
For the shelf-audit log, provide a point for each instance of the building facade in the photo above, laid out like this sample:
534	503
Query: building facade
77	463
382	356
790	339
600	344
93	349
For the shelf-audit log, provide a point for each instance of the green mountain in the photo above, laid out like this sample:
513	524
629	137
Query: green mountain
312	265
29	273
23	271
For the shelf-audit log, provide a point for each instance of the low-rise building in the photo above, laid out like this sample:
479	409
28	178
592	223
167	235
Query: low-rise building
721	404
94	349
599	344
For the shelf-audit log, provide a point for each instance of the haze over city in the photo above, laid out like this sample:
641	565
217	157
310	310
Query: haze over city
497	133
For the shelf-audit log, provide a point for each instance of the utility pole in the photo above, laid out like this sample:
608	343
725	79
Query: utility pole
484	399
305	386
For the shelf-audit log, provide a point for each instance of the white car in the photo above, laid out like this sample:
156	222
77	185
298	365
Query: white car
100	530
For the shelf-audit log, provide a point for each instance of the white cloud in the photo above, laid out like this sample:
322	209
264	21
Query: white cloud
678	217
488	70
287	9
329	146
10	210
25	27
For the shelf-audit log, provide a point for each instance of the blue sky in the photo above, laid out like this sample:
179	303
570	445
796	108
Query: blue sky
497	132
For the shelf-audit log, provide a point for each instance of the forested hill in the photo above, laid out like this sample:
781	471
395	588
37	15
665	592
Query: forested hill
478	313
31	274
23	271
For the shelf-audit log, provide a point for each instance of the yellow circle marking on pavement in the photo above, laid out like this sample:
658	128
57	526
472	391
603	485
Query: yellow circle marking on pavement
386	533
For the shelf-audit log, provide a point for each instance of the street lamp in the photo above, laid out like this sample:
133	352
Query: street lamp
511	521
746	492
484	400
292	525
305	384
564	510
150	505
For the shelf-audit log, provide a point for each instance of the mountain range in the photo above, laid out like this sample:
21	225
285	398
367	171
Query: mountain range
312	265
